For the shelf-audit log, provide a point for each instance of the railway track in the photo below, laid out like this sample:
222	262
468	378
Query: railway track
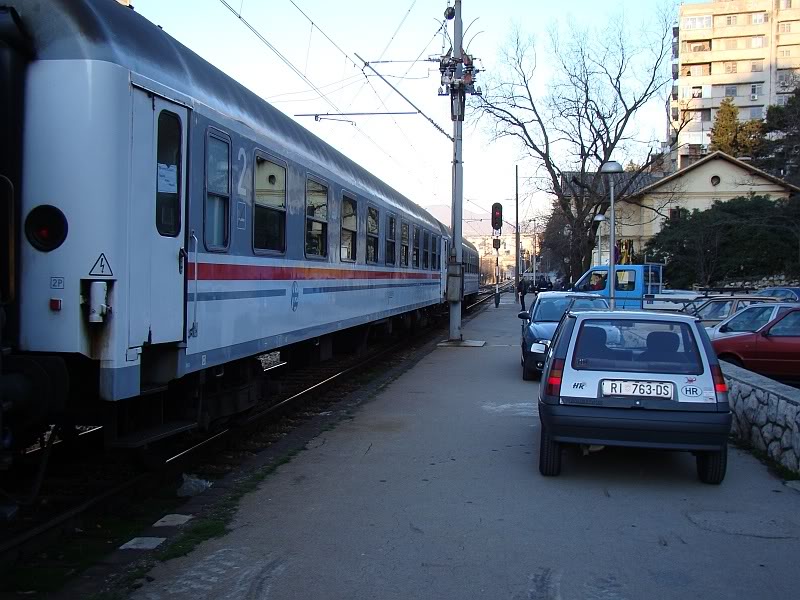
84	486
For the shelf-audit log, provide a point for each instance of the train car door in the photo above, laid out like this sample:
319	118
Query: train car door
157	250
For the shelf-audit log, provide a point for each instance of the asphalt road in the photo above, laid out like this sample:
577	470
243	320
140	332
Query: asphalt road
432	491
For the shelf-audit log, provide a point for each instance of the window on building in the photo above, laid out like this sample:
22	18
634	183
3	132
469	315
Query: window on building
758	42
697	46
415	247
218	195
758	18
757	66
697	92
675	114
316	218
373	221
699	22
349	229
784	52
756	89
784	4
674	214
784	28
699	116
782	100
391	232
698	70
404	244
730	67
732	44
730	91
730	20
269	206
756	112
168	174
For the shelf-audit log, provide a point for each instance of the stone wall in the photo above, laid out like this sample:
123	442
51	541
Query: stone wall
766	414
763	282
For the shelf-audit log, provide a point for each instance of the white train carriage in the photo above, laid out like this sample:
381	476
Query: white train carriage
177	225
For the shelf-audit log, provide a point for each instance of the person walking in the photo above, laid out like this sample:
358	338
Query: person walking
522	289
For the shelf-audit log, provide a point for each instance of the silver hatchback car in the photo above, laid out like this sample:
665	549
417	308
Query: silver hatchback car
656	383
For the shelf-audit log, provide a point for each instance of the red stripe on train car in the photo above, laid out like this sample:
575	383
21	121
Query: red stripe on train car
228	272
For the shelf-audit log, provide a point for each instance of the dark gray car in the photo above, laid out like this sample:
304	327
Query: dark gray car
540	323
658	385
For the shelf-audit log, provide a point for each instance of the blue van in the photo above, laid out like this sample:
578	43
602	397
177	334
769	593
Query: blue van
638	287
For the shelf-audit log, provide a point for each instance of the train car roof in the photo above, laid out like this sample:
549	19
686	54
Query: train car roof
108	31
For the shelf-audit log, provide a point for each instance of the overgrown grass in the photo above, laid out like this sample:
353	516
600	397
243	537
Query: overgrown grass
773	465
103	533
215	523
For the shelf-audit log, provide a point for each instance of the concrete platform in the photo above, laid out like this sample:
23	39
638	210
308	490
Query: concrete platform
432	491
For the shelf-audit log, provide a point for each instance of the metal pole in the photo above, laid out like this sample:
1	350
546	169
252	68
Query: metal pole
497	278
516	254
458	174
612	276
599	244
534	257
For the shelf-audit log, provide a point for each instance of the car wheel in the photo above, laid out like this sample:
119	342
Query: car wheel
526	374
529	373
733	360
549	455
711	466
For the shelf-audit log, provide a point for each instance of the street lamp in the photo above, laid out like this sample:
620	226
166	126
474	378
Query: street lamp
610	168
599	218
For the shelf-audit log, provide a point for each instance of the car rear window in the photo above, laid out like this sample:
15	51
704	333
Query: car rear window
552	309
639	346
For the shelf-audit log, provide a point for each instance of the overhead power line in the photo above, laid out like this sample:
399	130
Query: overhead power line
403	20
285	60
335	45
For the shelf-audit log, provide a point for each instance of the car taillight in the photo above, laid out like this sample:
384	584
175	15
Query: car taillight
46	227
553	387
720	387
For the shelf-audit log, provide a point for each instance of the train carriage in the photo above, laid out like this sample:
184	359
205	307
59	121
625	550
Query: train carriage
171	224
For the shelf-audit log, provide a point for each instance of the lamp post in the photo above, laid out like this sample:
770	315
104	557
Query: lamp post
599	218
610	168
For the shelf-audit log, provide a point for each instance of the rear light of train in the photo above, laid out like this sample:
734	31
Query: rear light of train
554	378
46	227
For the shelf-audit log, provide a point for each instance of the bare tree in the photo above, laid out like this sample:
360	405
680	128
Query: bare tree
601	80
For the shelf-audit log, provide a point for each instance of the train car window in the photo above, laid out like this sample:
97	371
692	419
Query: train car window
316	218
168	175
349	228
426	244
373	232
415	248
218	195
269	207
391	232
435	252
404	244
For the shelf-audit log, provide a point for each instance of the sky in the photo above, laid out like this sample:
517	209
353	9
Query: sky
320	39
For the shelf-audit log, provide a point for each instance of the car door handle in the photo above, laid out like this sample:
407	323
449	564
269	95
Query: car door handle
181	258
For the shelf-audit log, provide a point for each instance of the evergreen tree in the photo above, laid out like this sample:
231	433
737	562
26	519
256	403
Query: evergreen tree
726	125
780	154
733	137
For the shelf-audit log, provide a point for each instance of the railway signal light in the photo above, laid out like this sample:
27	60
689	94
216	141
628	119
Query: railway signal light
497	216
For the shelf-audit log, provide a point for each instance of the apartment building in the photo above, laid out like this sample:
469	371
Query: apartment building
747	50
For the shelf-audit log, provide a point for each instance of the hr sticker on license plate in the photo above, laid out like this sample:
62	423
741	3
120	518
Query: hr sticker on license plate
637	388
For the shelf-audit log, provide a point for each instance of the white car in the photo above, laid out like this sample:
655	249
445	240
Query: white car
749	319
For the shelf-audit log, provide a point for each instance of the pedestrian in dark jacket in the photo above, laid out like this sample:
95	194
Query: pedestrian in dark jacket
522	289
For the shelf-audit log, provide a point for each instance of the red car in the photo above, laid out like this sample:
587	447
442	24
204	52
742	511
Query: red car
773	350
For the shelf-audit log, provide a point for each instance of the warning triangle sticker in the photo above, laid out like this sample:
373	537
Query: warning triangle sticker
101	267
